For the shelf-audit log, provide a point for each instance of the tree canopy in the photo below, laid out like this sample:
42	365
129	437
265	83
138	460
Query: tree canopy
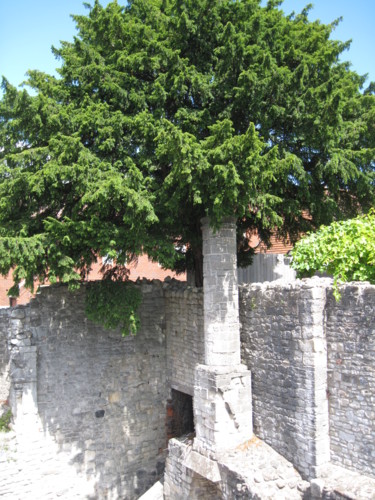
344	250
166	111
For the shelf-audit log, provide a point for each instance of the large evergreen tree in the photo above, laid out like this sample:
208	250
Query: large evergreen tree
169	110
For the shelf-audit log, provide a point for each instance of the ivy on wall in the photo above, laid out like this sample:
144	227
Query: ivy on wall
114	305
5	421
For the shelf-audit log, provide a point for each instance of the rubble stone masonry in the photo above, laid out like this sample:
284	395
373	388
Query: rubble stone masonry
98	397
90	406
350	330
283	344
313	371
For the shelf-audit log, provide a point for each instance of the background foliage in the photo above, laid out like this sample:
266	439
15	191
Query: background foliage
344	250
166	111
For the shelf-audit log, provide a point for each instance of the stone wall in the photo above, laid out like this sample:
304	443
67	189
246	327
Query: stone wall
185	343
181	481
4	358
350	330
100	398
307	408
283	346
91	406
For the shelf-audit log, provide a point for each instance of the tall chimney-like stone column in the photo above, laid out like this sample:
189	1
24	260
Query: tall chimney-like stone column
221	319
222	392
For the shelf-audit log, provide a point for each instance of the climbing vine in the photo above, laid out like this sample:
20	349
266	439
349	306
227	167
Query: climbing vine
114	305
5	421
344	250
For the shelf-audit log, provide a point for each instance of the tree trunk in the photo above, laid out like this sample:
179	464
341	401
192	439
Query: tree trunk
198	266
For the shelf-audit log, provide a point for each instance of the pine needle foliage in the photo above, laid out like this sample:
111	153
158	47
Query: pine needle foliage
166	111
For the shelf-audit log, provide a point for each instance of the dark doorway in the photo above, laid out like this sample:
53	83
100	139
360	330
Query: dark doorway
180	416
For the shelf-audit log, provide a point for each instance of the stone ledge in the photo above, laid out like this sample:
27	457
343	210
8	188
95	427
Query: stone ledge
256	469
336	482
217	370
252	470
202	465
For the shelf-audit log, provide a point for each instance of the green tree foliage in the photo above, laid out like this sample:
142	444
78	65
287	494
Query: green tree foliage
114	304
344	250
165	111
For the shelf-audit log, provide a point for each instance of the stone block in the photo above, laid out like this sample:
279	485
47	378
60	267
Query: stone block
18	313
223	411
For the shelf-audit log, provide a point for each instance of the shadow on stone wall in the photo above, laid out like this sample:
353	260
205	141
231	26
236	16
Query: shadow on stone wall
282	345
101	398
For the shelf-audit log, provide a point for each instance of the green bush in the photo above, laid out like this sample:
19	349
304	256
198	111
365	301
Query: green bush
344	250
5	421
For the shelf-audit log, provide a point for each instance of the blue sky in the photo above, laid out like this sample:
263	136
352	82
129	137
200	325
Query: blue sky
30	27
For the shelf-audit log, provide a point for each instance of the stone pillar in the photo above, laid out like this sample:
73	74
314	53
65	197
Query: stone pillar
315	422
221	319
222	392
23	368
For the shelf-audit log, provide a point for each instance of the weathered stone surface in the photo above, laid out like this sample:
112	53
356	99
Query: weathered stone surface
4	356
202	465
185	336
94	399
181	482
337	483
283	344
81	369
221	322
256	471
350	327
222	391
252	471
288	333
222	408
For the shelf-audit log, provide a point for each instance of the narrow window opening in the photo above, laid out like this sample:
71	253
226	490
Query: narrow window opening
180	416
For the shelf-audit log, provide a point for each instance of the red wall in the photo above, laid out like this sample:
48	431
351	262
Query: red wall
144	268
